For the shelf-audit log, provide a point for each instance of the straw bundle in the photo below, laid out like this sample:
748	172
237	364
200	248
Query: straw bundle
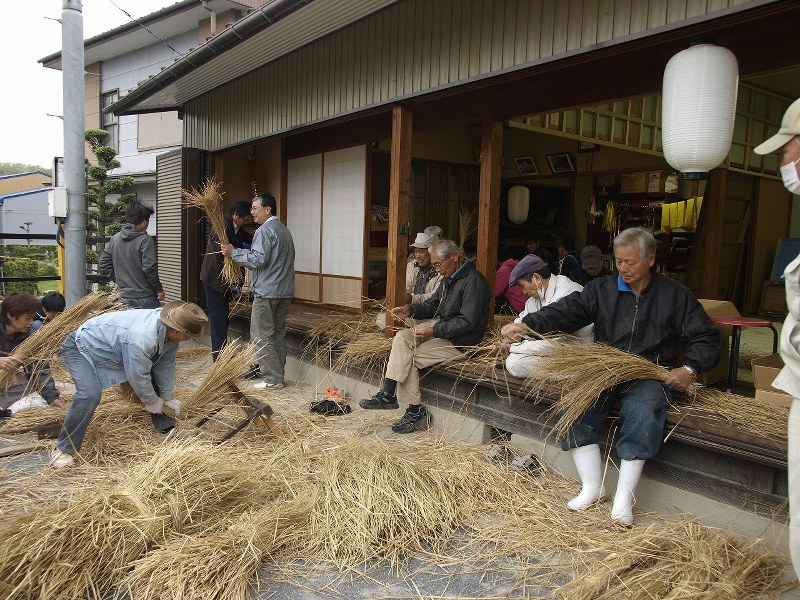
583	370
209	199
218	565
748	414
47	340
232	362
683	560
466	224
82	547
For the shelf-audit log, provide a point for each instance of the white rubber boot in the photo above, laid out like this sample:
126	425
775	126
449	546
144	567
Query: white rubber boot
590	469
629	473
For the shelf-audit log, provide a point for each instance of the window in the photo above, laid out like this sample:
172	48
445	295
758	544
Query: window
108	120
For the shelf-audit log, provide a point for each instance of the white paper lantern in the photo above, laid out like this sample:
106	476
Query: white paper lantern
519	201
699	106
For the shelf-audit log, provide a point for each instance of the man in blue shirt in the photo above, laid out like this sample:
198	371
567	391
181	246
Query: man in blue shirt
138	346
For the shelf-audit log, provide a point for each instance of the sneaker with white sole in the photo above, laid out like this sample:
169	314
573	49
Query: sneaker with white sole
263	385
60	459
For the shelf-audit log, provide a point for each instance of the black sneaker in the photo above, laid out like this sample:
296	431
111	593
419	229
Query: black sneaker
330	408
380	401
253	372
412	421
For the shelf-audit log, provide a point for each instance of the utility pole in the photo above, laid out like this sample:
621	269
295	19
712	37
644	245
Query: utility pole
74	154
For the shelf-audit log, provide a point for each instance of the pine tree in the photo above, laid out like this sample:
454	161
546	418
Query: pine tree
106	216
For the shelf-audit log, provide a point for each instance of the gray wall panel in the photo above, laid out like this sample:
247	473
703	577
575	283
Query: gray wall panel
413	46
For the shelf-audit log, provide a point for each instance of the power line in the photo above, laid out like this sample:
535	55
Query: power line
140	24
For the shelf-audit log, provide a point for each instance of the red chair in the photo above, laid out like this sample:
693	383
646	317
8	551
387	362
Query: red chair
736	324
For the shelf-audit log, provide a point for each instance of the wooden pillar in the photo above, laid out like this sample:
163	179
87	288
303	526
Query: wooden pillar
489	198
714	206
399	189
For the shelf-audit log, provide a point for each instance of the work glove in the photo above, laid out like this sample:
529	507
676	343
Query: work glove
4	413
156	407
173	406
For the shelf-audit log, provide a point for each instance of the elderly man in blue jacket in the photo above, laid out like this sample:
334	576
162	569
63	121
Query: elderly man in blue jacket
137	346
460	307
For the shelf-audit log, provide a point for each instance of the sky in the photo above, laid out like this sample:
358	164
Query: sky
31	91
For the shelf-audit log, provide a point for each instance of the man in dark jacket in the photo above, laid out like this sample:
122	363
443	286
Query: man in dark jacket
219	292
130	261
643	313
461	307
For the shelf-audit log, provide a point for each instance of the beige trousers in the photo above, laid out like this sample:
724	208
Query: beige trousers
408	356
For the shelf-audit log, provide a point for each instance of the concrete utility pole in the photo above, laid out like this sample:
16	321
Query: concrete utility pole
74	157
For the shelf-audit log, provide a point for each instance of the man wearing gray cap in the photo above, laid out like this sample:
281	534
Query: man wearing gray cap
542	288
787	143
592	265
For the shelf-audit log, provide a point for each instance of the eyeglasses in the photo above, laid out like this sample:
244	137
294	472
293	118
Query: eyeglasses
438	264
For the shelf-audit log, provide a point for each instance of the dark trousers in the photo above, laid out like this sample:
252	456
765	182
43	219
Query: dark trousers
642	415
218	304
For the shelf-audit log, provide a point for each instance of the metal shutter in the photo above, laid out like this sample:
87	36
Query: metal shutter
169	223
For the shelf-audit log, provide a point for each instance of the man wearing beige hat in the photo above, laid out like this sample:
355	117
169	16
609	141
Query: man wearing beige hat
421	278
787	143
137	346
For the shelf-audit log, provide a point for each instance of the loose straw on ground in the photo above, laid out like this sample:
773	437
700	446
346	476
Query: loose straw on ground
219	565
209	199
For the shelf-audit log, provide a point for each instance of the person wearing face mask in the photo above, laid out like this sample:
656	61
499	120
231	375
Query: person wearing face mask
787	143
542	288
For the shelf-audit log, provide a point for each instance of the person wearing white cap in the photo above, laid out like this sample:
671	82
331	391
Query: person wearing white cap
137	346
787	143
542	288
421	278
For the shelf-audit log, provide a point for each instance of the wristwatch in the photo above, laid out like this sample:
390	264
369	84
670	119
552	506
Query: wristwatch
692	372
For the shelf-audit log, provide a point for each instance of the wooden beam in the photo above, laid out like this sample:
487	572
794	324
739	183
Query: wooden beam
714	206
489	198
399	189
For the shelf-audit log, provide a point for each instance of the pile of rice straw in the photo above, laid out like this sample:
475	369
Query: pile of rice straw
85	545
209	199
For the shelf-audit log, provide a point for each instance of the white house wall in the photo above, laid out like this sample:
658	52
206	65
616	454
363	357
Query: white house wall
415	46
16	210
124	73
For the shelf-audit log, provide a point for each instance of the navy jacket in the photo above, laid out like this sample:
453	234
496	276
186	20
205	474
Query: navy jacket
651	325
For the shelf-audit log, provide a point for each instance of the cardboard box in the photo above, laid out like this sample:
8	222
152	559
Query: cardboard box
720	308
633	183
765	370
776	398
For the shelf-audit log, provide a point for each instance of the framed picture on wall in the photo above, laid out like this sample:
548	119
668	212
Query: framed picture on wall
561	163
526	165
